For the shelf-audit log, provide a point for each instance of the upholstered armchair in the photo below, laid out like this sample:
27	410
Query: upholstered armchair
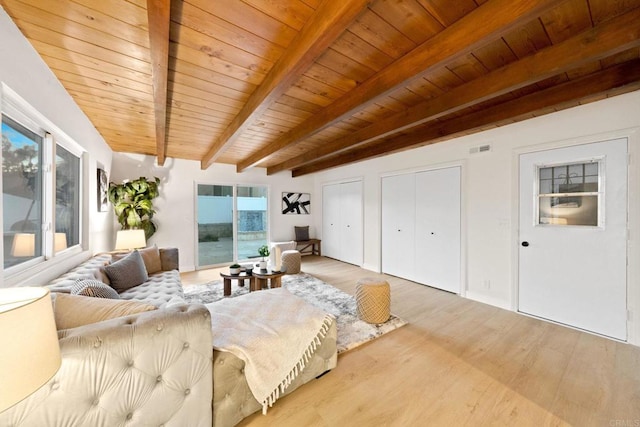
276	251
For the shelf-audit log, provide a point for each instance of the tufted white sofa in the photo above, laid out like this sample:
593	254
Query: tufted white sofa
147	369
156	368
162	287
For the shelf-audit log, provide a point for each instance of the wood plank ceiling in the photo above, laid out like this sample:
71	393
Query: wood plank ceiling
307	85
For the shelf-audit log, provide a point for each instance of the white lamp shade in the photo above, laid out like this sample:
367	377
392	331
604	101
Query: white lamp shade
30	353
24	245
130	239
60	242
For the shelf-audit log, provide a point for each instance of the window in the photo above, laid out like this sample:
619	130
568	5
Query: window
21	193
41	196
67	200
568	194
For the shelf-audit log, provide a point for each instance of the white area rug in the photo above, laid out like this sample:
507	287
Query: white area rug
352	331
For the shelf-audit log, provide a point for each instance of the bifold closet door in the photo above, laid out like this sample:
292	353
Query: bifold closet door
331	221
438	228
342	223
421	227
351	239
398	225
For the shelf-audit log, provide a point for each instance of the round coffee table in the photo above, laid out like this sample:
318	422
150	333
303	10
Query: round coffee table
266	279
227	278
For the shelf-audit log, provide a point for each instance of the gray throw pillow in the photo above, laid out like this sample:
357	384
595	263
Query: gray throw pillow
127	272
302	233
93	288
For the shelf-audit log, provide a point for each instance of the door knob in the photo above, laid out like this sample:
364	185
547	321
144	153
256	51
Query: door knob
525	244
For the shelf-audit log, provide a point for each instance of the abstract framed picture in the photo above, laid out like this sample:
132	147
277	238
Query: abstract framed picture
103	185
296	203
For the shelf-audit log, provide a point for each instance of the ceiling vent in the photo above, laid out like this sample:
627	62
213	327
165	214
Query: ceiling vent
480	149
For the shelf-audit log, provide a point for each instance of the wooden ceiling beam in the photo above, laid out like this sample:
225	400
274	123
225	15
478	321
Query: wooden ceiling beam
159	14
327	24
489	22
620	78
612	37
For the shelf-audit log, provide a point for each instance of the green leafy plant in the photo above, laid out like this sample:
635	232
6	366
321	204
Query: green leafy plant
235	266
263	251
133	203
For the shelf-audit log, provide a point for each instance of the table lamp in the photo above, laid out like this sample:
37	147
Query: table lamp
59	242
24	245
130	239
30	353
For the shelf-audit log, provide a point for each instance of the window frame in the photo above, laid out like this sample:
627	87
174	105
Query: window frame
235	218
599	195
20	111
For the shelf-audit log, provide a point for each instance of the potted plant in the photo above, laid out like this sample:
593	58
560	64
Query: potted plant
234	269
133	203
264	252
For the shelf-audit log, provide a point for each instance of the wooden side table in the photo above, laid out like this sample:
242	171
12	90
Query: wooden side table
266	279
310	247
227	278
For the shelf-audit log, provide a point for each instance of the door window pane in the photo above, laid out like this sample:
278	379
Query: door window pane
215	224
252	220
224	237
21	193
569	194
67	200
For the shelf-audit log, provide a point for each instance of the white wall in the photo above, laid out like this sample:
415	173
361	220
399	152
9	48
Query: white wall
176	205
23	71
489	191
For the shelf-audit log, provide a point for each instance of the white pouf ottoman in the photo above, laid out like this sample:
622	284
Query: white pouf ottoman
291	262
373	299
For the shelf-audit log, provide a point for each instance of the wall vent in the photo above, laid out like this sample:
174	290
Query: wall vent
480	149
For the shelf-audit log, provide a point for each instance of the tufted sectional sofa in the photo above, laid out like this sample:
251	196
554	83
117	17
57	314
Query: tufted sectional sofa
148	369
156	368
161	288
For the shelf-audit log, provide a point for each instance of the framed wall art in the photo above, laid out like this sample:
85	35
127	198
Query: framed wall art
296	203
103	186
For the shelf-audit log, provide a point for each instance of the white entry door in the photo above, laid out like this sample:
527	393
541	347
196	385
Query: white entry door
573	244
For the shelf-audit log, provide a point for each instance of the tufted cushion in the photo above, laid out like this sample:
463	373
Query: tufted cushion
158	290
71	311
127	272
93	288
86	270
151	258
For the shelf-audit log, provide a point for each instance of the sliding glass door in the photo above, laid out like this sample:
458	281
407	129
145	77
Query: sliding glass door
232	223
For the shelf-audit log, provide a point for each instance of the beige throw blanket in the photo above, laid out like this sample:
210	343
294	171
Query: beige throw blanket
274	332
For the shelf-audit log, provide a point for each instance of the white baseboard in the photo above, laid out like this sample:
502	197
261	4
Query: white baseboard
370	267
487	299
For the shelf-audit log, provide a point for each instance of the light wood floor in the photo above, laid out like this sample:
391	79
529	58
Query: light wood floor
460	362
